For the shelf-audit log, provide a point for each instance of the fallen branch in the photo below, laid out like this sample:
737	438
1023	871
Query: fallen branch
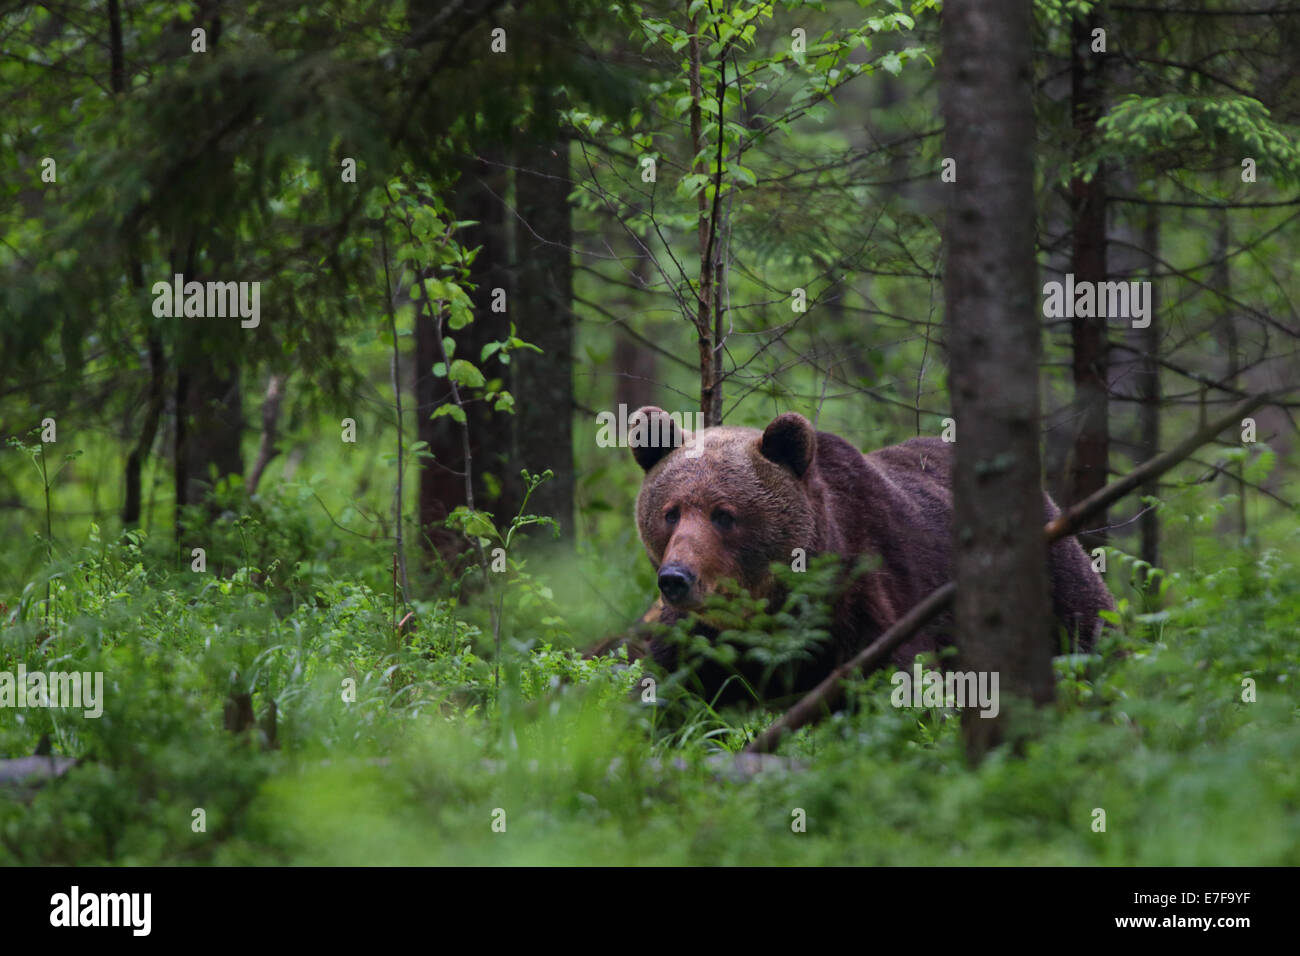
825	695
1069	522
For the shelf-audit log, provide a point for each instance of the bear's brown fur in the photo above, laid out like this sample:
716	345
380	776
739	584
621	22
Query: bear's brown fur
735	500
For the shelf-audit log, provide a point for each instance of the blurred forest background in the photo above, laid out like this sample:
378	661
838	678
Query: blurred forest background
476	225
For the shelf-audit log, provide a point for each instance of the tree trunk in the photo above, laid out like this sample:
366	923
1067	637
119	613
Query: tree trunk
480	194
636	367
543	384
707	330
209	398
157	393
210	422
1225	334
1002	610
266	449
1149	391
148	431
1088	335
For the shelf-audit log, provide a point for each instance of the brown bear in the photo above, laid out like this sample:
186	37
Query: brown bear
726	503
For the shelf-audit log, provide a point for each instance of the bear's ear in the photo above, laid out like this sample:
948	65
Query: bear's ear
651	434
790	441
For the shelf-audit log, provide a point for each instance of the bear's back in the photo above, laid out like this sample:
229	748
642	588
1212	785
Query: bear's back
895	503
922	468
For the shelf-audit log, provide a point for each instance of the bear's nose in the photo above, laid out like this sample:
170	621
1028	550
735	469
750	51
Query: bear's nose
675	582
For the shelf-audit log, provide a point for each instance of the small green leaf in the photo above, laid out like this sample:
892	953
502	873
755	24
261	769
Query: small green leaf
466	373
455	411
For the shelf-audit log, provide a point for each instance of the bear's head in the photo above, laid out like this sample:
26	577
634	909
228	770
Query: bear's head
723	503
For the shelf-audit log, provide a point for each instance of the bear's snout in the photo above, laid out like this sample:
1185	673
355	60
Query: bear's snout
675	582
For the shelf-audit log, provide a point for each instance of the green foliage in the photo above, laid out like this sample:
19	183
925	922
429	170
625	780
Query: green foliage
1153	729
753	638
1211	126
396	738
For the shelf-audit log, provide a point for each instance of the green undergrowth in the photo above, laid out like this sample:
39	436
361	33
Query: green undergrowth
417	745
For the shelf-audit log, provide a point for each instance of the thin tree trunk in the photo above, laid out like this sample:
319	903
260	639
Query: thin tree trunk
635	365
180	479
543	384
993	318
157	362
209	399
209	410
399	491
706	229
1088	334
1149	391
148	431
479	197
209	395
635	368
1225	331
272	402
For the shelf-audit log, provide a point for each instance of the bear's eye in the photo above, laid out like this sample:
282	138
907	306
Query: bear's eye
724	520
672	515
